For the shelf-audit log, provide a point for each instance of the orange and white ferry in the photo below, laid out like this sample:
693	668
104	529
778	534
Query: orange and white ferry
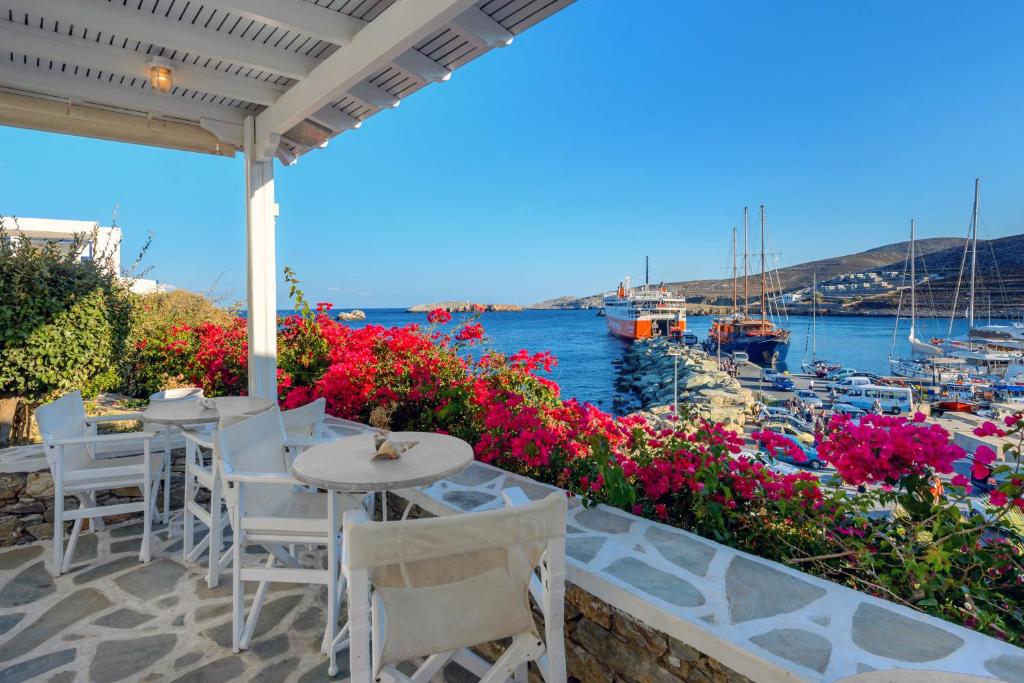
644	312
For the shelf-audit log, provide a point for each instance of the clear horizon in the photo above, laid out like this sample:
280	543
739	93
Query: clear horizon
552	167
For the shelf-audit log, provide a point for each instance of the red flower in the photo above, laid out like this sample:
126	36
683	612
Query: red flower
439	316
997	498
988	429
959	480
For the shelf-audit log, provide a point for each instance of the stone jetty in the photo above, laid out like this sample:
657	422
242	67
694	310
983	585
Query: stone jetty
647	373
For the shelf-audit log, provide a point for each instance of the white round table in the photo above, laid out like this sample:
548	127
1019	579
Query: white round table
347	465
192	411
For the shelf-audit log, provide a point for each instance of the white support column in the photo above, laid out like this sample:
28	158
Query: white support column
261	213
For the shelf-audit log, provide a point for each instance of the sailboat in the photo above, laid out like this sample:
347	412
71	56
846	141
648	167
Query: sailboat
926	360
813	365
762	340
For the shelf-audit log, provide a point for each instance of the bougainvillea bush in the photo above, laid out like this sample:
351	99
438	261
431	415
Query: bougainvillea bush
897	540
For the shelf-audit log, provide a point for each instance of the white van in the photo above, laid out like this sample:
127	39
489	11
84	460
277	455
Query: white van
740	358
853	381
893	400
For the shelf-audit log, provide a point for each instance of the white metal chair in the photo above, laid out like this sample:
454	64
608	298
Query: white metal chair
442	585
268	507
71	445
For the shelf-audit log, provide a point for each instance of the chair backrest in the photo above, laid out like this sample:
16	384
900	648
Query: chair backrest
179	394
64	419
304	421
253	444
450	582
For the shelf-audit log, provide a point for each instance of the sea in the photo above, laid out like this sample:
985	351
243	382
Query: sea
586	352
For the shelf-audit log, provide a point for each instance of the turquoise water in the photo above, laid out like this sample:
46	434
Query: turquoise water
585	350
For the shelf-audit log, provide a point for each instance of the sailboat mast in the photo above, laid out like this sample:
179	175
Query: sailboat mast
763	309
913	283
735	291
746	263
974	252
814	317
647	271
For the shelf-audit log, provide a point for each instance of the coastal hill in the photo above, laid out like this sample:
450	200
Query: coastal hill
463	307
1000	268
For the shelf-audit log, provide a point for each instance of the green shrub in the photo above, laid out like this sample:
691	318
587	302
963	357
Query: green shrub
143	368
63	322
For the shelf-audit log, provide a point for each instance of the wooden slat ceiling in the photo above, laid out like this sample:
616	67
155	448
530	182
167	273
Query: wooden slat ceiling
227	62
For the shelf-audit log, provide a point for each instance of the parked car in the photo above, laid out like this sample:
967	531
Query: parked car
793	428
811	458
740	358
808	398
772	463
782	383
768	374
839	374
848	409
840	385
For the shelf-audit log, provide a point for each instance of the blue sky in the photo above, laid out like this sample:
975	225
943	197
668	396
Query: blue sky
611	131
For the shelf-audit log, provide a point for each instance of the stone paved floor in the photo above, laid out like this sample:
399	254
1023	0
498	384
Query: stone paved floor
113	619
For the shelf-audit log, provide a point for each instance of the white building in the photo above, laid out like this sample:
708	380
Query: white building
101	243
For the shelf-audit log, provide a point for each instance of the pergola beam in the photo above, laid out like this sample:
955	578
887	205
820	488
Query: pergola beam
106	18
44	81
298	16
50	45
392	33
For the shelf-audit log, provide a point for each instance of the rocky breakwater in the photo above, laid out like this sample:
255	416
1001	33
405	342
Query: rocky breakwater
647	371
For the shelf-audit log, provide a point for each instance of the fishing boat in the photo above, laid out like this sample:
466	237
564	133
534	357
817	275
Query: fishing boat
764	342
643	312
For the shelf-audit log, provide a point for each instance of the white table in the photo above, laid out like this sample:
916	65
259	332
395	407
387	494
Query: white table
348	466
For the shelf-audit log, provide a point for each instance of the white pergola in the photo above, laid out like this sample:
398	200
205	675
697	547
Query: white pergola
268	78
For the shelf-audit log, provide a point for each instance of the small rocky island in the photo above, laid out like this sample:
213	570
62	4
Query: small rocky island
464	307
355	314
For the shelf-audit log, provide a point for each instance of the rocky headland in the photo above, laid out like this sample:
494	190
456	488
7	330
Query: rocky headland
351	315
464	307
647	373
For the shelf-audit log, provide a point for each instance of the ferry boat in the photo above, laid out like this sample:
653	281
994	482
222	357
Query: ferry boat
643	312
764	342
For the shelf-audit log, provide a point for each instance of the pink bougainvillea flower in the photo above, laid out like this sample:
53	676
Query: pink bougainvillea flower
997	498
984	455
988	429
959	480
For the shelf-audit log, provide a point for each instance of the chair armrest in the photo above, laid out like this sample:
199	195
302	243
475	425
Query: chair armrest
304	442
282	478
198	438
102	438
514	497
119	417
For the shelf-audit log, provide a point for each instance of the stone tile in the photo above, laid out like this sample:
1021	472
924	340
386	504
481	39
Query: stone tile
15	557
87	548
310	618
570	529
533	490
207	612
123	618
474	475
756	591
30	584
270	647
600	520
644	577
318	674
584	549
33	668
126	530
73	608
272	614
823	620
456	673
104	570
151	580
797	646
1006	667
681	550
169	601
116	660
225	669
62	677
127	545
275	673
185	661
886	633
9	621
468	500
179	621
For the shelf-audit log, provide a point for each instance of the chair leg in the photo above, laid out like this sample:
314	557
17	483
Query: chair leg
333	562
237	594
147	506
166	516
187	517
216	530
255	609
73	541
58	522
524	647
97	522
358	630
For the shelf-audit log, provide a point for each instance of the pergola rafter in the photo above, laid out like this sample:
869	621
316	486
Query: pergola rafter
270	78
